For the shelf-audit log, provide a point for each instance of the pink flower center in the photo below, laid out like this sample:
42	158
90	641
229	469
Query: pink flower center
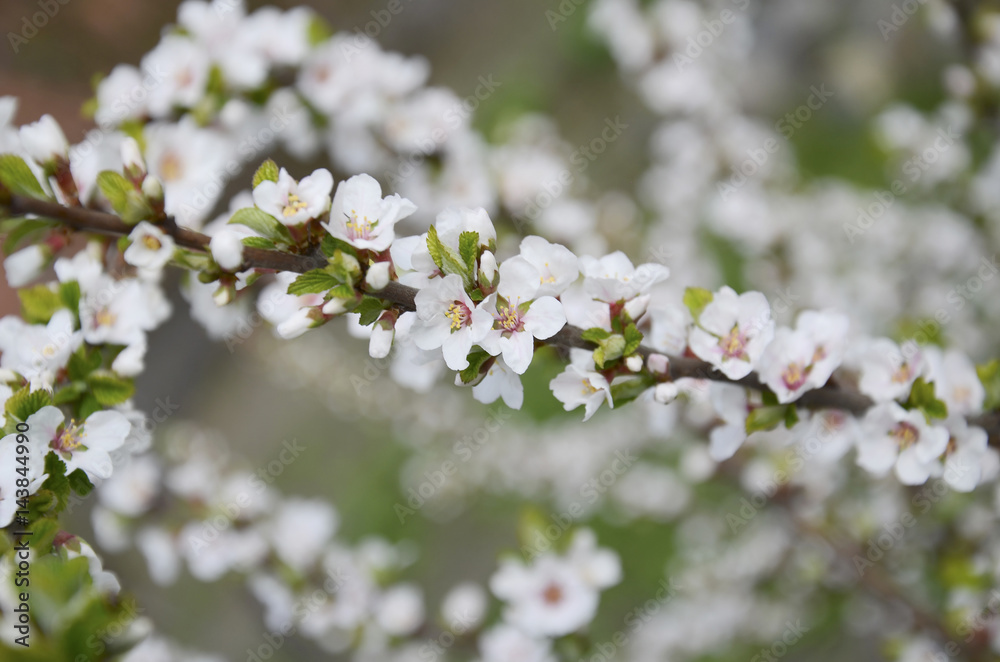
359	228
459	314
70	439
905	434
509	318
553	594
734	344
794	376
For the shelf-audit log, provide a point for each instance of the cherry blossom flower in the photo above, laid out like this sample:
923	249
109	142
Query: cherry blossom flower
557	266
26	264
86	445
796	361
362	217
504	643
581	384
44	140
151	247
38	351
292	202
732	332
32	465
612	278
519	316
448	318
966	455
888	370
955	381
894	437
500	381
181	67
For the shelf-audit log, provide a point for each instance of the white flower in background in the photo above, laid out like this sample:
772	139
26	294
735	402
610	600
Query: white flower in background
362	217
400	610
26	264
505	643
211	553
956	382
669	325
732	332
888	371
729	403
220	28
464	607
518	316
131	492
227	322
966	455
449	319
280	36
181	69
612	278
188	160
120	96
120	312
160	551
499	382
87	445
895	437
151	247
37	449
300	529
292	202
44	140
797	361
554	596
227	248
38	351
581	384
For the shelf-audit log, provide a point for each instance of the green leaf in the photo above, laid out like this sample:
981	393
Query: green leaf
263	224
769	399
258	242
115	188
595	335
341	291
791	416
69	293
477	357
610	349
765	418
88	405
626	391
633	339
330	245
696	298
80	483
17	177
267	172
44	532
370	309
318	30
25	402
110	389
312	282
989	375
922	397
468	249
82	362
56	483
69	393
446	259
39	303
16	230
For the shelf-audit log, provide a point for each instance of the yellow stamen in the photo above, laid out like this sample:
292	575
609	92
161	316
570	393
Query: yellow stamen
294	206
171	168
151	242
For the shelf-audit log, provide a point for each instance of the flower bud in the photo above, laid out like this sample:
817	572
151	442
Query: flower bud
634	363
637	306
44	140
378	276
152	188
381	340
665	393
135	166
658	363
227	249
334	306
487	267
300	322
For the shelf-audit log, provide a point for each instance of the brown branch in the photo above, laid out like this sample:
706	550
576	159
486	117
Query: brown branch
830	396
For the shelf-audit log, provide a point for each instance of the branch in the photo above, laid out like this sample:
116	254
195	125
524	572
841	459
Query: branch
831	396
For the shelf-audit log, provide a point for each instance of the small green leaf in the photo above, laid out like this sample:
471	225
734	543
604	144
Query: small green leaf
765	418
468	249
370	309
610	349
922	397
39	303
791	416
258	242
25	402
17	230
17	177
80	483
477	357
626	391
267	172
44	532
69	393
595	334
312	282
263	224
82	362
446	259
110	389
769	399
330	245
69	293
341	291
115	188
696	298
56	483
88	405
633	339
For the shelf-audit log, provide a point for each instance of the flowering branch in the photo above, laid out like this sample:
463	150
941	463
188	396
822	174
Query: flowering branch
830	396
